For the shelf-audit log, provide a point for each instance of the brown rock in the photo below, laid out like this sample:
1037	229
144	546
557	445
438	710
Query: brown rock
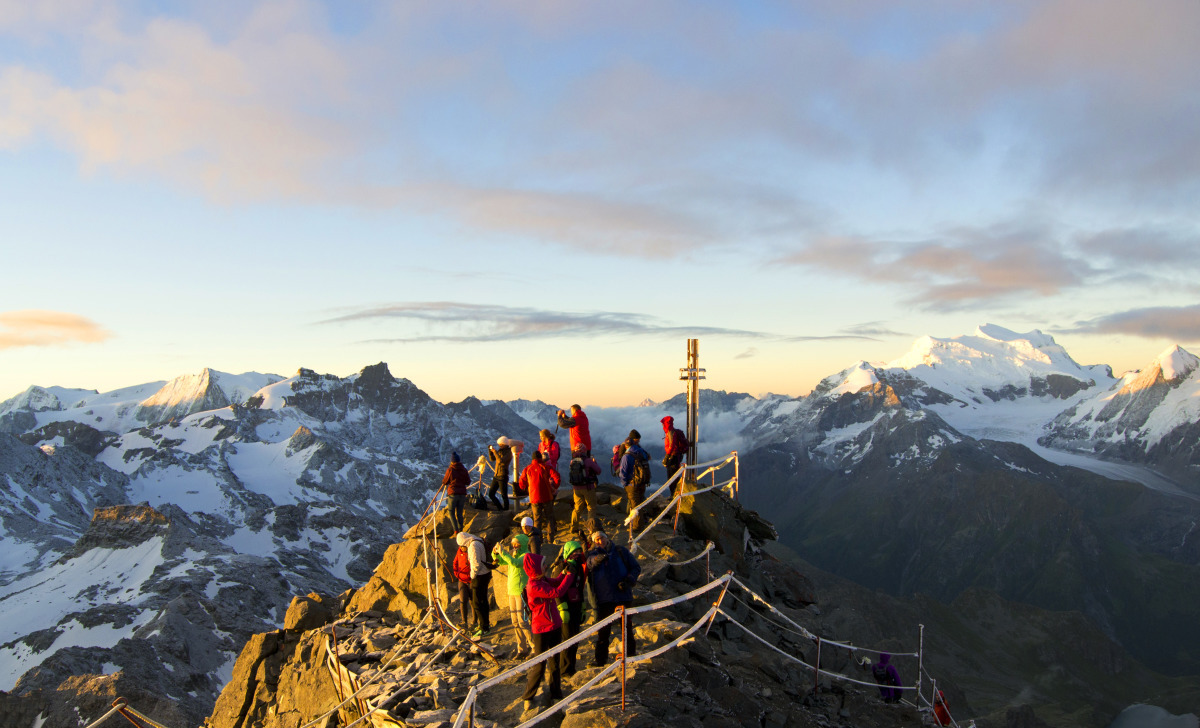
305	613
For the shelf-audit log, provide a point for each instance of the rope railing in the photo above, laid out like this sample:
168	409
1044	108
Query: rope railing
712	466
467	707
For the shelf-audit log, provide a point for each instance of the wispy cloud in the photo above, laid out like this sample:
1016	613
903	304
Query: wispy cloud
748	353
967	267
475	323
874	328
47	328
1175	323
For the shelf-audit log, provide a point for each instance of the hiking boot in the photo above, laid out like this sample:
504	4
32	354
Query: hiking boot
528	705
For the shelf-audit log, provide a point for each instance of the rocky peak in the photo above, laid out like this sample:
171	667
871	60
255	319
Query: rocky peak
117	527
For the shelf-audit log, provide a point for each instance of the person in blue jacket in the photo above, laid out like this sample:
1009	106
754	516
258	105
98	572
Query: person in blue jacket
612	571
635	474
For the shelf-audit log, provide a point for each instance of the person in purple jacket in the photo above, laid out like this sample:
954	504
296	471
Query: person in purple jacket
890	685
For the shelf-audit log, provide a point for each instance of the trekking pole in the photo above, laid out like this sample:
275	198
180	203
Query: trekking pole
624	652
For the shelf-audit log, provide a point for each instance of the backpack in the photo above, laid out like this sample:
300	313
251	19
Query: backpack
575	474
462	565
618	453
641	470
679	441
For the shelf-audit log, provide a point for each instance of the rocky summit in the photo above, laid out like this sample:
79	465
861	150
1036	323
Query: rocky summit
382	651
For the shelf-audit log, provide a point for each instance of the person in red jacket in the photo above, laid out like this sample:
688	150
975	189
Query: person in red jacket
676	446
542	485
548	446
456	480
542	593
577	423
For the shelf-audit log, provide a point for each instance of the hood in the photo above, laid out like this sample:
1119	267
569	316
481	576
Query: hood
532	563
667	422
884	658
463	537
523	540
571	547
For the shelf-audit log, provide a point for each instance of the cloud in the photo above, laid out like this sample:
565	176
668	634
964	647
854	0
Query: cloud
477	323
748	353
47	328
967	267
1175	323
874	328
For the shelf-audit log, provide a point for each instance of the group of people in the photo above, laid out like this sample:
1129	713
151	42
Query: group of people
541	479
547	602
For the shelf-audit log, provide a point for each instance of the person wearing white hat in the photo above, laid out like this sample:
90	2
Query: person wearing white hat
501	458
534	534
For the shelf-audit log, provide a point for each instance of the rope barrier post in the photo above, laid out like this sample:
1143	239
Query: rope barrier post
737	479
817	668
624	652
920	661
717	603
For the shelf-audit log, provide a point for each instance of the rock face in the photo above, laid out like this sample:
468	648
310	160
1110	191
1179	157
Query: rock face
418	672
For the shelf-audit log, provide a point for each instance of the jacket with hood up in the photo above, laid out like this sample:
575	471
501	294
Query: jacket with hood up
515	563
476	553
542	592
673	438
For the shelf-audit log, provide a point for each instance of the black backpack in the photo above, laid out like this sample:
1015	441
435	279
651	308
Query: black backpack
641	470
575	474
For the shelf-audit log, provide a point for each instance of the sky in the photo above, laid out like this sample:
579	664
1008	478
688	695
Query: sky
545	199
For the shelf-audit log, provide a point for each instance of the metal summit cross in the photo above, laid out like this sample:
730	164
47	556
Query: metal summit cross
693	374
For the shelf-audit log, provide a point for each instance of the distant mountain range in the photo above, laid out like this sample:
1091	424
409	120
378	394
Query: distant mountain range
164	523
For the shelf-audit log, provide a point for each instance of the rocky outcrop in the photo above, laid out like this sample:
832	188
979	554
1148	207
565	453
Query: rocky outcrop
117	527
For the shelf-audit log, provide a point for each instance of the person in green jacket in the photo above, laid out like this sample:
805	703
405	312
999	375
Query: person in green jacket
510	555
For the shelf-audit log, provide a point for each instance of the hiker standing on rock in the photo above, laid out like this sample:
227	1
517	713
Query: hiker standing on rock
635	474
501	457
577	423
543	592
533	533
570	607
584	475
456	481
473	574
675	444
512	556
542	485
612	571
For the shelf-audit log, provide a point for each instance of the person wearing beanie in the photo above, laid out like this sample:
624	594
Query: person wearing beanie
635	474
501	459
611	571
534	534
572	604
542	592
512	556
456	481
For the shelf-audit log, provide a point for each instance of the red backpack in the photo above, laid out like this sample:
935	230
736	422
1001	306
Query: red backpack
462	565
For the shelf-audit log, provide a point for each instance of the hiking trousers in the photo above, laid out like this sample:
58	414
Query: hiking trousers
499	484
571	628
585	502
541	643
457	504
474	597
604	634
516	612
635	494
543	519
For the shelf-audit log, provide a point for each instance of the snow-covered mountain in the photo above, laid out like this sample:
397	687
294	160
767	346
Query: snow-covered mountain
255	487
298	486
